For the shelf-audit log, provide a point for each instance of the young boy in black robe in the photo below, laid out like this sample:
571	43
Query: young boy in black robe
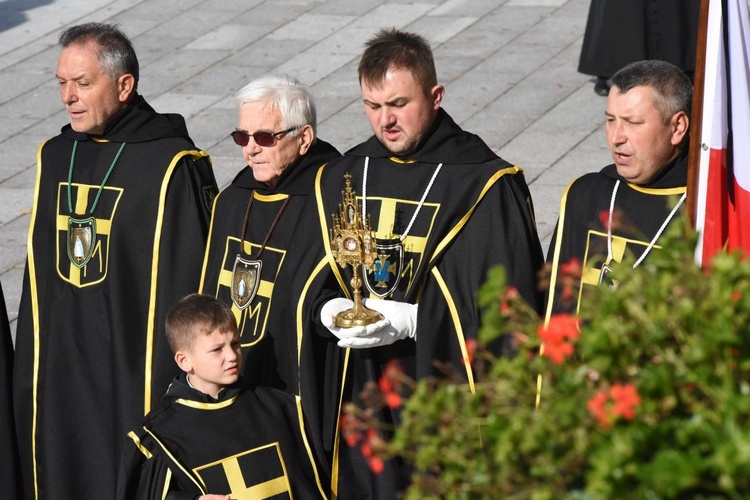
213	436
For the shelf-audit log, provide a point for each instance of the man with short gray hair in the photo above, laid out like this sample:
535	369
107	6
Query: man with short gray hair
624	208
117	231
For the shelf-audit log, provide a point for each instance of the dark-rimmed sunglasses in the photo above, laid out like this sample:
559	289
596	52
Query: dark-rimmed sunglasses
261	138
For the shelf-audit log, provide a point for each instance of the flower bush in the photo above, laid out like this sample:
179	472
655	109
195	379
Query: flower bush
645	395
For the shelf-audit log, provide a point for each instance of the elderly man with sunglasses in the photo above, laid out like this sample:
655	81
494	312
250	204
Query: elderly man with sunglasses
257	224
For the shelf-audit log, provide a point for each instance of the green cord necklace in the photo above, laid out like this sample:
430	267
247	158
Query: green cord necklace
82	232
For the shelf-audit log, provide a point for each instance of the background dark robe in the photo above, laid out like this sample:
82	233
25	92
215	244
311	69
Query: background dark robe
10	472
619	32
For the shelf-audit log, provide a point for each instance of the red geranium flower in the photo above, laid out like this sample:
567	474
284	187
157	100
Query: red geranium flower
511	295
370	447
597	406
390	379
557	352
570	276
556	337
571	268
471	348
609	405
376	464
390	382
625	399
393	400
349	425
616	218
604	218
566	325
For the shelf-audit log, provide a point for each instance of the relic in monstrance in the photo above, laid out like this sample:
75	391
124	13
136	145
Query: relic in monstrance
353	243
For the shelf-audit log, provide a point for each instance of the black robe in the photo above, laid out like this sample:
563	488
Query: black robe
581	232
246	444
10	472
619	32
478	214
91	354
275	351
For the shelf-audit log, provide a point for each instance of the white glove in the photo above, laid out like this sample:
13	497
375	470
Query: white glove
400	323
329	311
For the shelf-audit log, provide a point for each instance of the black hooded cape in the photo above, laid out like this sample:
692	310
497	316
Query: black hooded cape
276	352
478	214
246	444
579	241
91	355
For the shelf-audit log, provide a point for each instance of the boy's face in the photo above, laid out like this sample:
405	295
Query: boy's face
213	362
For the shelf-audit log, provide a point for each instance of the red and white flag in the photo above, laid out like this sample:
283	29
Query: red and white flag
723	195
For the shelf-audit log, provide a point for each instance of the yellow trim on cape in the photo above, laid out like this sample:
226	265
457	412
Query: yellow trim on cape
337	437
308	448
150	325
402	161
33	292
657	191
270	197
300	334
552	281
167	484
300	312
457	228
207	406
176	462
208	241
138	444
457	323
556	256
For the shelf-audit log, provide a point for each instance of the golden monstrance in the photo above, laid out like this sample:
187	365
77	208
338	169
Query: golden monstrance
353	243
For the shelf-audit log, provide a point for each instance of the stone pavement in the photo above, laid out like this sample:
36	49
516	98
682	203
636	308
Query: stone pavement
509	67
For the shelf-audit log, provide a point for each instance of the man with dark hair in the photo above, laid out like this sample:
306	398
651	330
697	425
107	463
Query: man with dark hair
445	209
214	436
624	208
117	231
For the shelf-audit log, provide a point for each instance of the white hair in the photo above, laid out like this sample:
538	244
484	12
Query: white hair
293	100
